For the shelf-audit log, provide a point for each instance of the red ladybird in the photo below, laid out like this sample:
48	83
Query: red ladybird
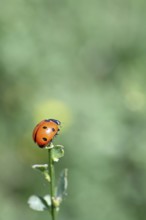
45	131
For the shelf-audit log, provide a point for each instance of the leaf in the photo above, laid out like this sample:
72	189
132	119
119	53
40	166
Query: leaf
40	167
39	203
57	152
47	198
62	185
51	145
43	168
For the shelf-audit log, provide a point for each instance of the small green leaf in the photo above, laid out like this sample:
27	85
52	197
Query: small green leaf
39	203
47	198
43	168
51	145
62	185
40	167
47	177
57	152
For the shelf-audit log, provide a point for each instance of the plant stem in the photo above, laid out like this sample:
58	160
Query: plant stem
52	182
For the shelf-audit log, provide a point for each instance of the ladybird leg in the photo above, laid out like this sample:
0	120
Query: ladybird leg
50	141
58	131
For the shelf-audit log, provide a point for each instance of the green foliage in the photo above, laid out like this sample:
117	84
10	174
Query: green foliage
57	152
50	202
43	168
39	203
62	185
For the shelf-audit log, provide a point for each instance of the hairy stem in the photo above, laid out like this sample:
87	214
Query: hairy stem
52	182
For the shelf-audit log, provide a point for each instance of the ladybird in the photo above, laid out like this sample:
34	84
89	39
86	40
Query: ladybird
45	131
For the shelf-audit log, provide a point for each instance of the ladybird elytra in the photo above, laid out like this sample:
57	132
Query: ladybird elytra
45	131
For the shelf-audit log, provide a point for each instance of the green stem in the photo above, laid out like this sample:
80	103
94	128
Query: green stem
52	182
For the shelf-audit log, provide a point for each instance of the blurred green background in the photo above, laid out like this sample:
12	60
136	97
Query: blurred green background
84	63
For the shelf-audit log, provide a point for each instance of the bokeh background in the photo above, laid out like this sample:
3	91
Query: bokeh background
83	63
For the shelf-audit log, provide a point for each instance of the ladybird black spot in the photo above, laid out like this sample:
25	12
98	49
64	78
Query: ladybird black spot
45	139
53	129
44	127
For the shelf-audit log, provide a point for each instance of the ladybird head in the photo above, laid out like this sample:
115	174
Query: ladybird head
54	120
